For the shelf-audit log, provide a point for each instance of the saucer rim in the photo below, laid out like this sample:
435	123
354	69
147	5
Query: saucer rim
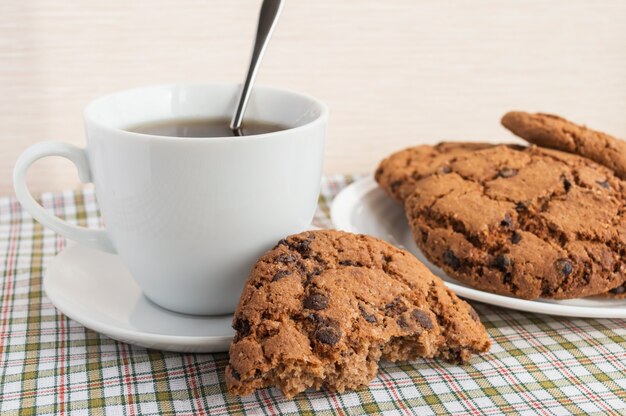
177	343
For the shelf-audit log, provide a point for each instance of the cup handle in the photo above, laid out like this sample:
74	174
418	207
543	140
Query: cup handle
94	238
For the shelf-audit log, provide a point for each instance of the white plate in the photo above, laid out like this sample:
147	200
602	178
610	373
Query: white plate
364	208
95	289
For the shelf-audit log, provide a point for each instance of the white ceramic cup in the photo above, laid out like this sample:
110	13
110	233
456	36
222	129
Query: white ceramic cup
189	216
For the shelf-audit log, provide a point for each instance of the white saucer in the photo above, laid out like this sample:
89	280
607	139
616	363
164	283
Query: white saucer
363	207
95	289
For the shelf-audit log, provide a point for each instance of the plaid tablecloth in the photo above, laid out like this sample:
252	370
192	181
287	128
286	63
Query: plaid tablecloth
49	364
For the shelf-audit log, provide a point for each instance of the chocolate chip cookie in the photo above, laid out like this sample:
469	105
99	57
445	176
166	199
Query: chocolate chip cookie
555	132
526	222
398	173
323	307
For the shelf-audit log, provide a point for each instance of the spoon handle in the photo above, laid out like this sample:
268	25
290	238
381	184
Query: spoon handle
270	10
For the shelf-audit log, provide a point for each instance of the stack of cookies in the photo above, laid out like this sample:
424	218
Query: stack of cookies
322	308
540	221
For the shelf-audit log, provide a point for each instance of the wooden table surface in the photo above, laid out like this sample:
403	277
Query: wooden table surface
394	73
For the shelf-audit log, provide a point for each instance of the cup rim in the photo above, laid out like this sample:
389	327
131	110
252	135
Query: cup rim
321	117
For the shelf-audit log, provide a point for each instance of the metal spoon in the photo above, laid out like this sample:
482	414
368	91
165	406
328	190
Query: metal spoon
270	10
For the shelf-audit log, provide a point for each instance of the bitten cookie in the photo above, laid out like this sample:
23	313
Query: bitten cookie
526	222
323	307
398	173
552	131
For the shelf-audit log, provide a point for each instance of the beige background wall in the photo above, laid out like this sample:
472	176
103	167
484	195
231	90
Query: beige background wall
394	73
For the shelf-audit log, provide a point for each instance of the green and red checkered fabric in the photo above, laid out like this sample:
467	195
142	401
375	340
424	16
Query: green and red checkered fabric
49	364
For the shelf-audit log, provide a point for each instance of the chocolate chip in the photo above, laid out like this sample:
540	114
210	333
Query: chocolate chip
506	173
454	357
604	184
618	290
367	316
242	327
451	260
508	278
310	275
328	332
328	336
319	259
286	258
520	206
307	281
313	317
395	307
235	374
564	267
280	274
302	247
402	323
566	184
350	263
315	272
422	318
316	301
474	315
507	221
395	185
516	237
502	262
281	242
446	169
